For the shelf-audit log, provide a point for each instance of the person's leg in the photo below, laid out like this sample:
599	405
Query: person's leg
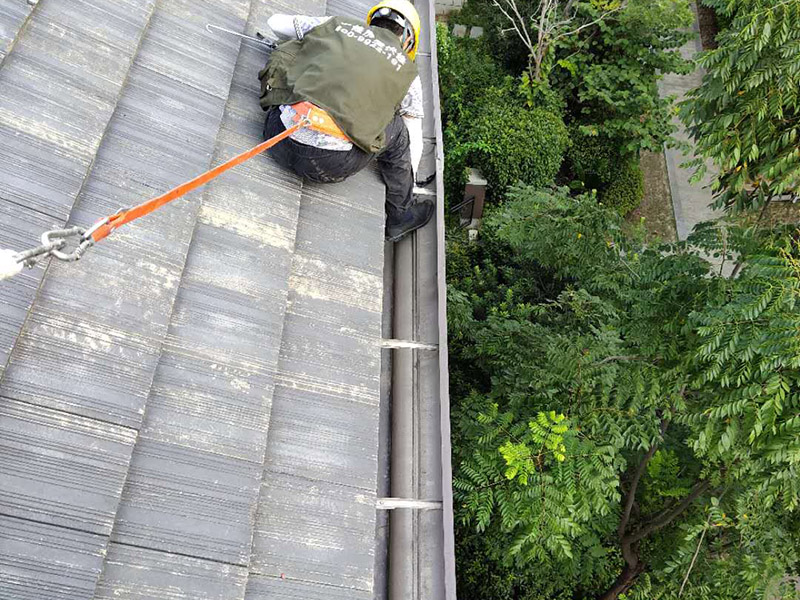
404	213
394	162
316	164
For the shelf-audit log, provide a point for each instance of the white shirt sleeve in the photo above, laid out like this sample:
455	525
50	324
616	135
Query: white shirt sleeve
291	26
414	126
411	105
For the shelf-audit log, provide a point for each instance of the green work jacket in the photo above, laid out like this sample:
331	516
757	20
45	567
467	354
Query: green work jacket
358	74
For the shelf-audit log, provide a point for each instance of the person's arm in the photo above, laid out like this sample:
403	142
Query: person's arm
412	110
288	27
414	126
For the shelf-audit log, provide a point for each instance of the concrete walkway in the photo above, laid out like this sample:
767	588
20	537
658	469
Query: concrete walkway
690	201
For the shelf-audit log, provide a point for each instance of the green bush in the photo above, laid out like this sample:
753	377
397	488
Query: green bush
590	159
597	162
486	125
507	142
626	190
466	71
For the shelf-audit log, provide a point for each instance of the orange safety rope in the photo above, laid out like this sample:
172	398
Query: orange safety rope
127	215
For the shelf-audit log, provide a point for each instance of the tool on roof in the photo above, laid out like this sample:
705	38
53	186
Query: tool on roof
259	39
55	241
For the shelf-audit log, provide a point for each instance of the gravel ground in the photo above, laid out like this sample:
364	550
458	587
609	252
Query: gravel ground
656	207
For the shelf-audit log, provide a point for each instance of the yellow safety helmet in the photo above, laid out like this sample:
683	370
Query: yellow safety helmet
409	18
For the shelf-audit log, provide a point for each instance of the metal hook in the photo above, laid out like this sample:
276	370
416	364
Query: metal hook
263	42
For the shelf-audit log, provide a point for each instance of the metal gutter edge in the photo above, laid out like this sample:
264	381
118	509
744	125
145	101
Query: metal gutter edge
421	538
444	376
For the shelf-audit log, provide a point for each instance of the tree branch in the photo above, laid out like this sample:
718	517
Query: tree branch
522	37
667	517
631	497
595	22
694	558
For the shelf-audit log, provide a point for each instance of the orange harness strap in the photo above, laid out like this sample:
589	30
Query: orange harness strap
319	119
127	215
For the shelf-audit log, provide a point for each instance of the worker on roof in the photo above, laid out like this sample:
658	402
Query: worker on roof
363	76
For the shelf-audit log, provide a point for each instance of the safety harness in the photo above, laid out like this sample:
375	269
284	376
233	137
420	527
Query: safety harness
319	119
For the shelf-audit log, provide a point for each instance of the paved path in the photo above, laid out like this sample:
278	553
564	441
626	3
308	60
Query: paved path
690	201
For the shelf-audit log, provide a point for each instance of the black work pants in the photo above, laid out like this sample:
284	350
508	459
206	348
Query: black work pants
330	166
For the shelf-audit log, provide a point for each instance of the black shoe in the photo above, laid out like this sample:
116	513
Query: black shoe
401	223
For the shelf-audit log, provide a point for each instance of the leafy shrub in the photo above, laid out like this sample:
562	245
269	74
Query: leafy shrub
626	189
508	142
598	163
486	124
466	71
590	159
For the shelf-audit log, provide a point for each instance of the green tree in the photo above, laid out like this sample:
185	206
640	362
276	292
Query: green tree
488	126
624	415
541	25
745	117
608	72
603	57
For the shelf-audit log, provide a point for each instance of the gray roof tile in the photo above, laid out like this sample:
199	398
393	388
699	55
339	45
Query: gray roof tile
141	574
112	310
236	329
52	119
260	587
43	562
315	532
59	468
12	17
190	502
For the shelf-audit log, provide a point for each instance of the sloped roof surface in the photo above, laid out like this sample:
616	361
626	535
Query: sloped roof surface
191	411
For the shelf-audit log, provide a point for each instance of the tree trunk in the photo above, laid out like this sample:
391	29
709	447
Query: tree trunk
629	542
624	582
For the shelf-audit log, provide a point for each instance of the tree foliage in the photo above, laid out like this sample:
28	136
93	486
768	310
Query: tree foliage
529	151
488	126
603	58
627	417
745	117
608	72
597	163
540	26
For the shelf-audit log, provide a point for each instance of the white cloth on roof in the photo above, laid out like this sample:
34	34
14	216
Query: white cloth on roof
8	264
411	107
